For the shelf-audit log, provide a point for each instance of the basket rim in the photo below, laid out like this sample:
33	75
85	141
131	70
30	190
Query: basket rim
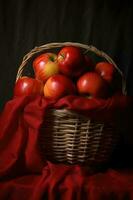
53	45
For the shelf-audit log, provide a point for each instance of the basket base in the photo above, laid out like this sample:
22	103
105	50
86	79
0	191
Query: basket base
72	139
88	168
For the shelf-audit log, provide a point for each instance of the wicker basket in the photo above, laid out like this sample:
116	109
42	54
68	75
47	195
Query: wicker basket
69	137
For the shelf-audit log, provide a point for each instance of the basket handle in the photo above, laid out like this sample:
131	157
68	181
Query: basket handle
91	48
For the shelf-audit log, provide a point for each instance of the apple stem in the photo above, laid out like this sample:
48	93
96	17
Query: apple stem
52	59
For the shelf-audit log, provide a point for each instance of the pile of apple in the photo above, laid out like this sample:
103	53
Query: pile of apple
69	72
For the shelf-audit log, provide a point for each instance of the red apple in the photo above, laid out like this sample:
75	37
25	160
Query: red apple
111	75
106	70
58	86
28	86
71	61
45	66
92	84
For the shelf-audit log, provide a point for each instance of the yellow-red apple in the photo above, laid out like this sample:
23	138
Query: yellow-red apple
45	66
58	86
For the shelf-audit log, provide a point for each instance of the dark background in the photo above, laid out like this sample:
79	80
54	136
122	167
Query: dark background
24	24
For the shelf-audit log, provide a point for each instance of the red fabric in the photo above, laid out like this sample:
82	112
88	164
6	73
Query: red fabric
23	174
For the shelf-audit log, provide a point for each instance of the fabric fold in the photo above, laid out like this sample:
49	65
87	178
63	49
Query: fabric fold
25	175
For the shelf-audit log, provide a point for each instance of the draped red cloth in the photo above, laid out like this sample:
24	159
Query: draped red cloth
23	173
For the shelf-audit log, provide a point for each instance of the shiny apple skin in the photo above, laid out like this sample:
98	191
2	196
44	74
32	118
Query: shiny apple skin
106	70
91	84
111	75
45	66
28	86
71	61
58	86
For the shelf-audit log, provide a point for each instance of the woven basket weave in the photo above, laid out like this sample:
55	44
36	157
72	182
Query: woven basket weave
67	136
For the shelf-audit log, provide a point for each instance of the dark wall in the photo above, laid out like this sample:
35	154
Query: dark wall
28	23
